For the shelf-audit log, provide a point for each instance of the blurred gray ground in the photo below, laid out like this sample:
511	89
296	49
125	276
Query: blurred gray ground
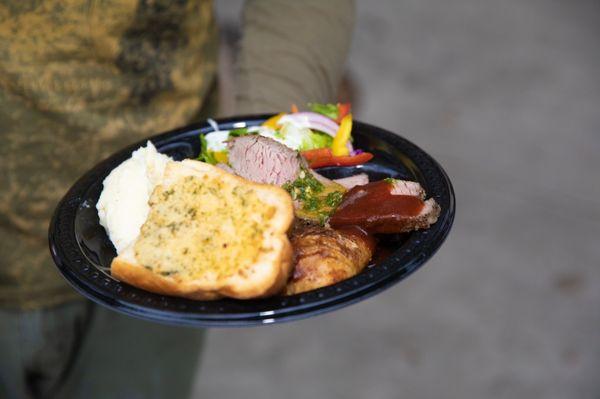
506	95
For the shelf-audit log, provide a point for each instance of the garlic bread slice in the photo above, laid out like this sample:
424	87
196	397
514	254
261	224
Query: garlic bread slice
210	234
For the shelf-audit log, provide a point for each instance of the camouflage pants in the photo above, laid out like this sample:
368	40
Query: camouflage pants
81	350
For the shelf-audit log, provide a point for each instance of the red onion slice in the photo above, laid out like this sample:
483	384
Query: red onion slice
314	121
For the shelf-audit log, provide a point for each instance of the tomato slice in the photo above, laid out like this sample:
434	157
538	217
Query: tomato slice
343	110
317	153
322	157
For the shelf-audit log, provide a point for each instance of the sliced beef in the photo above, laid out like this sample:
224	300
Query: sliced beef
406	187
428	216
384	207
263	160
352	181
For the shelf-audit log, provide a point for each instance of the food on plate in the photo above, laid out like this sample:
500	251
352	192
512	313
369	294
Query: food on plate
264	160
315	197
386	206
324	256
123	204
322	135
354	180
333	111
210	234
339	145
220	226
323	157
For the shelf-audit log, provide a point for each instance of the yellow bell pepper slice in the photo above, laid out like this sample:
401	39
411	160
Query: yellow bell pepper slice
221	156
272	121
338	147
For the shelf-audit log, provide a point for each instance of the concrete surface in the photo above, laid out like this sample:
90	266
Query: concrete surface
506	94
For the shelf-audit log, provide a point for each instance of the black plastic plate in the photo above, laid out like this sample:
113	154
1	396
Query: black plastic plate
82	251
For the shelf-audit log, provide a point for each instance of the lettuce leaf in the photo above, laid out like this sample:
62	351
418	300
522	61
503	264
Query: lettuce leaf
316	140
329	110
239	132
205	154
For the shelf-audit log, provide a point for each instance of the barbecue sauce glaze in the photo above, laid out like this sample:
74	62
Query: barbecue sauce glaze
373	208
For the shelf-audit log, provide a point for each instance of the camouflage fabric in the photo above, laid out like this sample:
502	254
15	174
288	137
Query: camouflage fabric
79	80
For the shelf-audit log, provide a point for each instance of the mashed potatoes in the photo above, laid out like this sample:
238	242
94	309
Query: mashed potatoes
123	205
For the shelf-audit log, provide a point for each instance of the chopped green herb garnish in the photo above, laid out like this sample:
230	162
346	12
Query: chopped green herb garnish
323	216
305	186
334	198
389	180
168	193
312	204
317	202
